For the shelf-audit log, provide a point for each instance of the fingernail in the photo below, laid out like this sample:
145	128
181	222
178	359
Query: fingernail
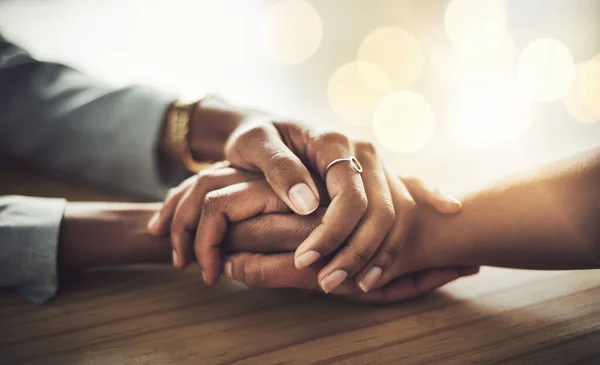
228	269
370	279
152	223
333	280
175	258
306	259
303	198
204	277
450	199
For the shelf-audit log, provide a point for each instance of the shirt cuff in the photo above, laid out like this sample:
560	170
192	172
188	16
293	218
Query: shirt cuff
143	113
29	233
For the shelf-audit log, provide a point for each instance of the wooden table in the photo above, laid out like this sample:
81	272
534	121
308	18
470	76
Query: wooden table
148	315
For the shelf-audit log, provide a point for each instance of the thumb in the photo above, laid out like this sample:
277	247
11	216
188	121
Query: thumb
423	194
262	148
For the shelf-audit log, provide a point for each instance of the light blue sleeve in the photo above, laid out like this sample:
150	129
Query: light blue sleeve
29	231
55	118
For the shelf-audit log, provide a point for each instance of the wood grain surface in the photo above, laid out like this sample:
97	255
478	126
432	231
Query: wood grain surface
156	315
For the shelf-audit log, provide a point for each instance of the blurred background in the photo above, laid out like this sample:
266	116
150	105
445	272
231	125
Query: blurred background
456	92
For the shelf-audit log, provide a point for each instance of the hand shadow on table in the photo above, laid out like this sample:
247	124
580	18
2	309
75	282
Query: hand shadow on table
101	312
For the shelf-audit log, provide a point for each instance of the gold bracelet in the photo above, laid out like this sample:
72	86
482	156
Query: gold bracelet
178	120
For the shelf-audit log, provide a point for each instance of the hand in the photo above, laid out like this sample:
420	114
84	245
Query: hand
283	232
361	212
222	195
366	212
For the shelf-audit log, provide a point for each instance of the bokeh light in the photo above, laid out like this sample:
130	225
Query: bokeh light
472	64
493	64
546	70
291	31
355	89
404	122
479	118
397	52
475	23
583	98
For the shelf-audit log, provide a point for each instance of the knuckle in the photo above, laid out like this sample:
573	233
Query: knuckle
254	273
202	186
255	134
335	137
365	147
338	235
323	140
262	277
359	201
386	256
387	215
203	179
360	256
240	270
213	201
279	164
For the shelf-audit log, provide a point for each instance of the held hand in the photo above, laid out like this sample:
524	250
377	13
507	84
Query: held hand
210	199
283	232
361	212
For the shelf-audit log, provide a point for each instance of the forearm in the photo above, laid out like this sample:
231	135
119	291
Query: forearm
546	220
107	234
56	118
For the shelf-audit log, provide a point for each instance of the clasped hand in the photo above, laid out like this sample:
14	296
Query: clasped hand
350	233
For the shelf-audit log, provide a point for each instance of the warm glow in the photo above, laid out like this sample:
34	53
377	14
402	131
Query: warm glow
404	122
291	31
583	99
475	23
546	70
395	51
355	89
494	63
485	117
472	64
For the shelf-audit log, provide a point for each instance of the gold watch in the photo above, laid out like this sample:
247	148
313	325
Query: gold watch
178	121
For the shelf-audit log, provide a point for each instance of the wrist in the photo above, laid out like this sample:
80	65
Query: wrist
212	122
439	239
106	234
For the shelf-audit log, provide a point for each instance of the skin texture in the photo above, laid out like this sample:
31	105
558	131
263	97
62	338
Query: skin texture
548	219
209	205
362	209
108	234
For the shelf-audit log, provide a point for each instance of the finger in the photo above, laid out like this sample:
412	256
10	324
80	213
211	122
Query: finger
262	148
408	286
187	213
372	229
348	198
257	270
271	233
440	201
391	257
160	222
227	205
